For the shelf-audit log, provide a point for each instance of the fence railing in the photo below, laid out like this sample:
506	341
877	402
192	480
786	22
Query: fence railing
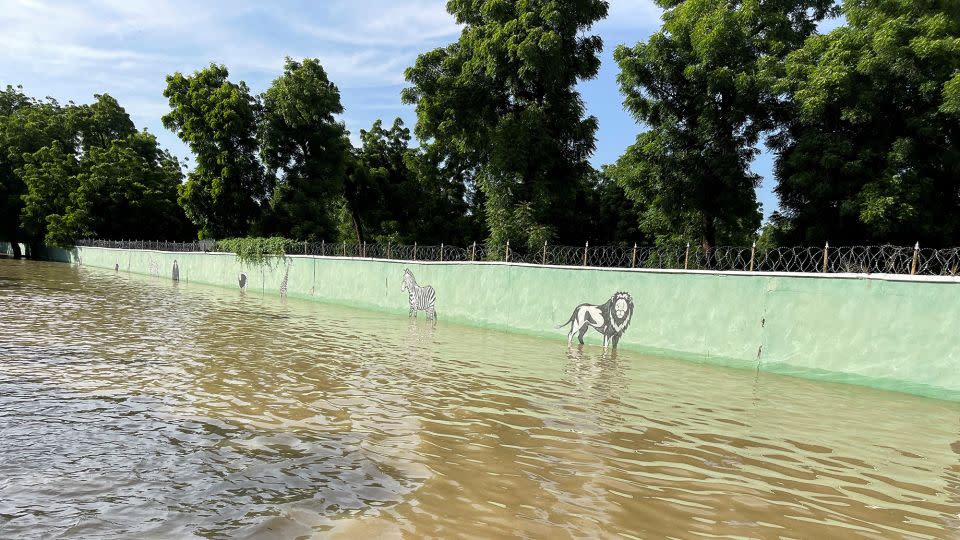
884	259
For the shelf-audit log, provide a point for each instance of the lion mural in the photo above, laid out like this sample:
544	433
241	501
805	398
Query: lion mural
610	319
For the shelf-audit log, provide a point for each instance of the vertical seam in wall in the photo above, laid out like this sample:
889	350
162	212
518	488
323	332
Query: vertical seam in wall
761	352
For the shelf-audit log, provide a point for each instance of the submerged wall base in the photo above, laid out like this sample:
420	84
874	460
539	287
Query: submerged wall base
889	332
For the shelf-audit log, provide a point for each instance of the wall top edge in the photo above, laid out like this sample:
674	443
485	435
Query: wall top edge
734	273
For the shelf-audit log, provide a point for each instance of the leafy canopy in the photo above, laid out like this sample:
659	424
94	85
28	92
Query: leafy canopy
218	120
870	151
503	99
84	170
306	147
702	86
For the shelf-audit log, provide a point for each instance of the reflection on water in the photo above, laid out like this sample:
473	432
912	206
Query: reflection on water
135	406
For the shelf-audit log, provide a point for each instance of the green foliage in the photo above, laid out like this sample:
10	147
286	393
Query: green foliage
83	170
50	177
865	121
702	85
449	206
256	251
100	123
614	216
302	142
26	126
870	151
125	190
502	100
218	121
404	195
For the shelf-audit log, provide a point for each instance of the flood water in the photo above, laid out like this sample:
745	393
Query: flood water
133	406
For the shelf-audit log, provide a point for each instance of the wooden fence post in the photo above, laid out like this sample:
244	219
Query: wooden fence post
753	251
414	250
826	255
388	248
441	251
473	252
544	253
506	253
686	258
916	255
633	258
586	248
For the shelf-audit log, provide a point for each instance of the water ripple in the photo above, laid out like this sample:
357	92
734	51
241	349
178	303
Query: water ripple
137	407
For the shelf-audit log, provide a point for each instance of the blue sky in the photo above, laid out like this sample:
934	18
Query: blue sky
73	50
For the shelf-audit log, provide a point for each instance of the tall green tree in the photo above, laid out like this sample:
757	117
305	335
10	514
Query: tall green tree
702	84
100	123
503	98
26	126
450	206
871	148
78	170
49	175
306	147
218	120
404	195
127	189
380	190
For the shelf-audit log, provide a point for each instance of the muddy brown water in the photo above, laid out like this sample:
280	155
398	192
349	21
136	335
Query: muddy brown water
134	407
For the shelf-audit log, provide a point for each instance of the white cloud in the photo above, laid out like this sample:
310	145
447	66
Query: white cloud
72	50
383	23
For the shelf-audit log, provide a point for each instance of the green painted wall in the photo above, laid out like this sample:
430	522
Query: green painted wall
886	332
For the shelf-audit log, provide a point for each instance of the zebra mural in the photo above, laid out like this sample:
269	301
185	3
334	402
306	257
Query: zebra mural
422	297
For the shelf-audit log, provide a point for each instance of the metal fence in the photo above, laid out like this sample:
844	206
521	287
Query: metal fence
884	259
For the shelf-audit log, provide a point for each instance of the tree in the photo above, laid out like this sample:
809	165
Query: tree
615	215
383	193
125	190
400	194
85	170
49	175
450	207
702	85
218	121
100	123
303	143
871	149
503	100
26	126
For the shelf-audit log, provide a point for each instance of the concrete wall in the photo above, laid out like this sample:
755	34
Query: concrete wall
42	253
890	332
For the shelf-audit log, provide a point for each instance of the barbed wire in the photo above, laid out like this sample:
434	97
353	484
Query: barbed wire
882	259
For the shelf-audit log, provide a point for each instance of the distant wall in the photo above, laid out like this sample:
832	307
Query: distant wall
895	332
42	253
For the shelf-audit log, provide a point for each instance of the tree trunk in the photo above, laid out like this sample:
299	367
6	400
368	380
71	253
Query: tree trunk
709	239
357	226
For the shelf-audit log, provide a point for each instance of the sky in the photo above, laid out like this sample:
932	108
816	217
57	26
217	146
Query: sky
73	50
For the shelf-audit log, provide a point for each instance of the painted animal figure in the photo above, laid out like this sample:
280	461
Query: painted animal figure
283	284
422	298
611	319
